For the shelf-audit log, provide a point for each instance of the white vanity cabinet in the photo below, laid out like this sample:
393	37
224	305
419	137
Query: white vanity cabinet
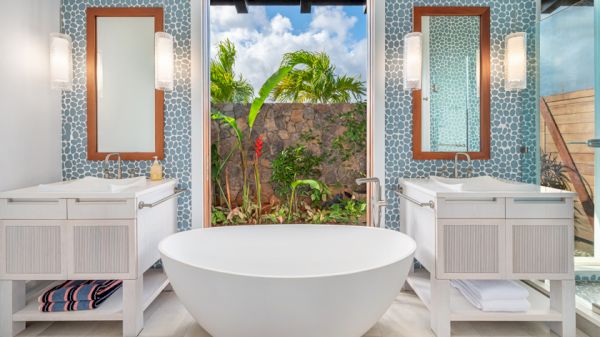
517	231
68	235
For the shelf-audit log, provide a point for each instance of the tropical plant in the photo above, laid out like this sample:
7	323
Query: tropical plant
316	82
258	145
553	172
313	184
225	85
354	139
239	136
290	164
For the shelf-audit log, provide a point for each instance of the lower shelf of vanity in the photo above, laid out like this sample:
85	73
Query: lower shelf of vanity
155	281
462	310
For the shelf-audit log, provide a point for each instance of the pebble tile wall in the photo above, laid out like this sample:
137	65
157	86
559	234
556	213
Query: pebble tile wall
177	163
513	114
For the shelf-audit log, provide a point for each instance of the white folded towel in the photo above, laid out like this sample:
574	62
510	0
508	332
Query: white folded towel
505	305
485	290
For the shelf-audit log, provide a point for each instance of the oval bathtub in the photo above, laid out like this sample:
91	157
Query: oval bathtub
287	280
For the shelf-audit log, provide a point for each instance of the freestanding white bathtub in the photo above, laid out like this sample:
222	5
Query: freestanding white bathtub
287	280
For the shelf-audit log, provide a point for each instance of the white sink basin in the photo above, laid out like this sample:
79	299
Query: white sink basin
482	184
93	184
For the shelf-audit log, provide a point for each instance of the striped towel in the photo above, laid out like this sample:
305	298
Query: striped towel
77	295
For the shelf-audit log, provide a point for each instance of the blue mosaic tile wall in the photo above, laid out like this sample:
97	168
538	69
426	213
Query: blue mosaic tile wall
177	163
513	114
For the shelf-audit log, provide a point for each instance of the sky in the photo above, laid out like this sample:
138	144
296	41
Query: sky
567	50
264	34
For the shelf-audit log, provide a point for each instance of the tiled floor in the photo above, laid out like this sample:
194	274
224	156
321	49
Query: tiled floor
407	317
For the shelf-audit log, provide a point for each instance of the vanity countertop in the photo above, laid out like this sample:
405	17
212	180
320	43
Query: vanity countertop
481	187
55	191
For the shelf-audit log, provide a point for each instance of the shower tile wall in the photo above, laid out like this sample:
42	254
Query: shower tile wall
177	163
453	49
513	114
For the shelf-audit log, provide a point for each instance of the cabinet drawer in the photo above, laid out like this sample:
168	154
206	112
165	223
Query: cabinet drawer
101	208
33	209
540	248
470	248
539	208
470	207
32	250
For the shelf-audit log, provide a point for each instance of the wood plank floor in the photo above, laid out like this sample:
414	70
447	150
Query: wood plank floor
407	317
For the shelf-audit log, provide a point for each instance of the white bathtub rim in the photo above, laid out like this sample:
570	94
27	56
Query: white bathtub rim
409	254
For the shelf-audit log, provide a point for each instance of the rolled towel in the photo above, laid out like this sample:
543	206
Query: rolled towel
510	305
486	290
79	290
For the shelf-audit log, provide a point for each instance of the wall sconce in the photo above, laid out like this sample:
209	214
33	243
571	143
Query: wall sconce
164	67
515	62
61	62
413	60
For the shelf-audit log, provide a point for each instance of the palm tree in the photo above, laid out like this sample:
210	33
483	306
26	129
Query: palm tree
316	81
225	86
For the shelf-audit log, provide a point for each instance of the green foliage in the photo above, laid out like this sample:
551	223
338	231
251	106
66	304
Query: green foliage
316	82
292	163
265	92
225	86
218	116
354	138
346	212
553	172
313	184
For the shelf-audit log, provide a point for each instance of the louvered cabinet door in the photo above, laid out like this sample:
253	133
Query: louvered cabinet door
470	248
32	250
102	249
540	248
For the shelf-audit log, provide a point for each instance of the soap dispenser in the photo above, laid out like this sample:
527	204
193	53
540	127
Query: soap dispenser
156	171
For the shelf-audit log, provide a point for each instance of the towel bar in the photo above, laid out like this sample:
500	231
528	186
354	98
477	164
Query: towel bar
400	193
143	205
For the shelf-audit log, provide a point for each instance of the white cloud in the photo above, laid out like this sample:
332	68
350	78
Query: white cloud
261	42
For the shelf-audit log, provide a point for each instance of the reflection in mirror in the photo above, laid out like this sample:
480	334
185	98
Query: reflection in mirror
125	84
450	109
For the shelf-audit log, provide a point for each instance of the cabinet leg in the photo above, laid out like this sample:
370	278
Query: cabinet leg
440	307
133	312
12	299
562	299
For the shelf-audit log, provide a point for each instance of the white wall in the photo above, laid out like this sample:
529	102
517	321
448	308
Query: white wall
30	113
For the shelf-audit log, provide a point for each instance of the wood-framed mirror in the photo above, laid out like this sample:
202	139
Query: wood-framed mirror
125	113
451	112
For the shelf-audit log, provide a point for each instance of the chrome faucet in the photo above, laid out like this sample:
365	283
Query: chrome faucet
106	171
469	167
377	200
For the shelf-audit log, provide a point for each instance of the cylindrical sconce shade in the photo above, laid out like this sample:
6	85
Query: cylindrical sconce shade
163	61
515	62
413	60
61	62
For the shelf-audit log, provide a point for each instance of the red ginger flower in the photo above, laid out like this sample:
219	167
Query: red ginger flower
258	145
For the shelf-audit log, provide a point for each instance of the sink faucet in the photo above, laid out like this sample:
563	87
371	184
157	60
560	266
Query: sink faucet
469	167
106	162
377	201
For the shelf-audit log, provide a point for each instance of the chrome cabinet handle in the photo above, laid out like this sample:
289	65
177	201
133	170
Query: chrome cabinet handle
539	200
100	201
32	201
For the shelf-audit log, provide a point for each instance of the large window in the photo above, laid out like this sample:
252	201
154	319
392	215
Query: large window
568	122
289	116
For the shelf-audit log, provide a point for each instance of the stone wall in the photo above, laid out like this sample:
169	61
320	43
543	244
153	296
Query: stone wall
283	125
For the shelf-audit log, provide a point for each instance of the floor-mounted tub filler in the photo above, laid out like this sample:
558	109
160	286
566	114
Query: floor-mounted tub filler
287	280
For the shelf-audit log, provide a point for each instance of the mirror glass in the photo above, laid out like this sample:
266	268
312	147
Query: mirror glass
451	86
125	84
